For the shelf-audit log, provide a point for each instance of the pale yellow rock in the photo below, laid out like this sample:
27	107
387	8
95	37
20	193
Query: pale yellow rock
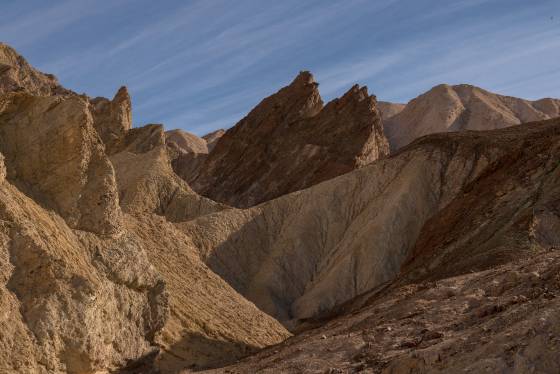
54	155
463	107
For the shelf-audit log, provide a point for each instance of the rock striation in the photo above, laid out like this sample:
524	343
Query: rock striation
463	107
54	154
301	255
290	142
94	276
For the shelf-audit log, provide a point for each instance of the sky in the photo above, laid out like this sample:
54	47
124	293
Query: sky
203	65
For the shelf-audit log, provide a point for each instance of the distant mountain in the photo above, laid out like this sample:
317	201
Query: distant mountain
186	141
388	109
213	137
462	107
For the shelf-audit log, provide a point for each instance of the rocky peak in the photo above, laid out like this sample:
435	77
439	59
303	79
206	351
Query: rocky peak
112	118
294	143
17	75
463	107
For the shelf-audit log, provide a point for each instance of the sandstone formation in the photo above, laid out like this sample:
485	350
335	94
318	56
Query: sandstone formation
147	183
71	301
463	107
302	254
290	142
112	118
213	137
93	276
17	75
54	155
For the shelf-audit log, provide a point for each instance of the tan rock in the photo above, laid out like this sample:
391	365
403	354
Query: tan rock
17	75
463	107
71	302
290	142
298	256
188	153
54	155
210	324
186	141
112	119
147	183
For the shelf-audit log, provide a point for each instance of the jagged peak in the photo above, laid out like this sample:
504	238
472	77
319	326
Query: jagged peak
303	78
122	94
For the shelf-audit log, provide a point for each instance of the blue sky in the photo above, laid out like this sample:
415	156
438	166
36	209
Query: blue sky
202	65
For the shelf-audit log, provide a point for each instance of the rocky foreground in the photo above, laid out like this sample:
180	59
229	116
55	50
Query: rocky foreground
134	250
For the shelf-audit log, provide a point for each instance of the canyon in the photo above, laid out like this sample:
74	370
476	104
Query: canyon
353	236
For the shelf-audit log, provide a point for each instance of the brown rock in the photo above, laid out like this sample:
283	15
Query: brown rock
525	338
17	75
70	301
290	142
112	118
55	156
147	183
302	254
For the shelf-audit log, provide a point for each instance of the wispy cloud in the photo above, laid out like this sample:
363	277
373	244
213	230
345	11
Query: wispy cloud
40	22
201	64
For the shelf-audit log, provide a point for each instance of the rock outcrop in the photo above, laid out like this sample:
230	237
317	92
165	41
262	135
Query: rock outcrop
17	75
71	302
147	183
463	107
290	142
54	154
94	282
112	118
188	153
302	254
